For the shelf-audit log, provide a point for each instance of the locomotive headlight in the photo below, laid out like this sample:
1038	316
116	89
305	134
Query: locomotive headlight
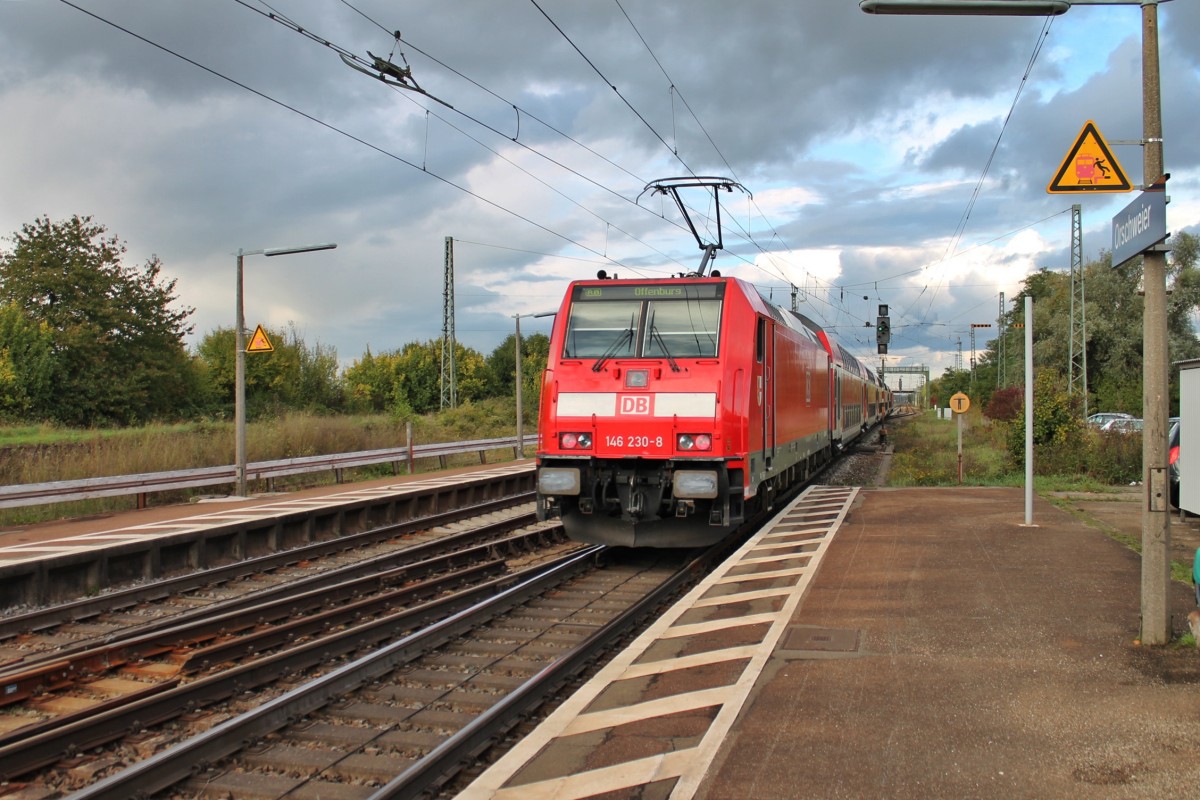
558	480
575	441
695	483
693	442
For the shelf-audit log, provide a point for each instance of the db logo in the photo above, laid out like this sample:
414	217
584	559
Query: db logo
634	404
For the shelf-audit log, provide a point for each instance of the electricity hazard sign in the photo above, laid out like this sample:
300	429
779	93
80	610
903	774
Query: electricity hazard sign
259	343
1089	166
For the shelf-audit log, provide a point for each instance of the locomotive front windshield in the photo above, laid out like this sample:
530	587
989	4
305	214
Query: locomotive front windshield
630	321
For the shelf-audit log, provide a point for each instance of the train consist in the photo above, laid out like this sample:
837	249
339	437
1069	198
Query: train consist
674	409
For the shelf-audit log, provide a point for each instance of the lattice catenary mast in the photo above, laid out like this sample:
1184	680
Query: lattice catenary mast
447	383
1078	380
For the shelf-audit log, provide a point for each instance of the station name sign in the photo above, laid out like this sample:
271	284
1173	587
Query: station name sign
1139	226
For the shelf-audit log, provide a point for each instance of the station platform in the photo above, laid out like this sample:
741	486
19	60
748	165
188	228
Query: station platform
939	649
992	661
966	656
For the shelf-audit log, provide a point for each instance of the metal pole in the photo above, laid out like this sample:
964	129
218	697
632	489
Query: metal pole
239	394
959	421
1028	410
520	410
239	346
1156	520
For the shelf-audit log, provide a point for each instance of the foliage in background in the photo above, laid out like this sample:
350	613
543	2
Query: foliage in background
1059	440
26	364
293	377
86	341
1005	405
407	381
115	337
926	451
1113	308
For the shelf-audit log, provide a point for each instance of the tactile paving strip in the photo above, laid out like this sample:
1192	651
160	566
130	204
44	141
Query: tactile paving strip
658	713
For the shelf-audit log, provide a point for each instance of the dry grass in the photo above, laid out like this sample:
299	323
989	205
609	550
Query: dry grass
39	455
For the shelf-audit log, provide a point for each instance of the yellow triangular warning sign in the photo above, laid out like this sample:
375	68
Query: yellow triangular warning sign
259	343
1089	166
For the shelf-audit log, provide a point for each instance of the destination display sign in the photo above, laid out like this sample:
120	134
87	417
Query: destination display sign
664	291
1139	226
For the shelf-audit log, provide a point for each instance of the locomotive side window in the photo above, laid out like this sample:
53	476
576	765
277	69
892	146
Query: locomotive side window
632	321
760	340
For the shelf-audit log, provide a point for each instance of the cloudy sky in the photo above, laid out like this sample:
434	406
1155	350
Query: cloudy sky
898	160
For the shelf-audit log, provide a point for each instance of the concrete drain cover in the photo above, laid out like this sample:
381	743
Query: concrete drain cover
830	640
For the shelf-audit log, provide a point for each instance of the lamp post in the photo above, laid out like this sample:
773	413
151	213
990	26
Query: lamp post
520	408
239	328
1156	519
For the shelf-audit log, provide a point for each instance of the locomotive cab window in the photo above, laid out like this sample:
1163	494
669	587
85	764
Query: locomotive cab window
630	321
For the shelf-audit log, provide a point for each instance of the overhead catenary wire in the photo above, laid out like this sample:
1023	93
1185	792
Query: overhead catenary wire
962	223
341	50
767	265
339	131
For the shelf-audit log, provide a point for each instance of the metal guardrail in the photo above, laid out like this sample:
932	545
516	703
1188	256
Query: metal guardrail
31	494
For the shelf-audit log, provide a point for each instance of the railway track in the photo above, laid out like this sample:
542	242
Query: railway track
372	678
405	716
58	703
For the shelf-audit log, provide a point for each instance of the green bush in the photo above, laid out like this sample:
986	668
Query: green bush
1059	440
1114	457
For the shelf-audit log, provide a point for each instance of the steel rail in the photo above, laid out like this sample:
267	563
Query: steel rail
303	597
39	750
39	619
176	763
465	746
423	590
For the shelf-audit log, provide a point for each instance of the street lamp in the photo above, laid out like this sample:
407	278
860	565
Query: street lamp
520	408
239	393
1156	520
1003	8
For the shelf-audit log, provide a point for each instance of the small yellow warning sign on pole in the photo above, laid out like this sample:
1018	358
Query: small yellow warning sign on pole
1089	166
259	343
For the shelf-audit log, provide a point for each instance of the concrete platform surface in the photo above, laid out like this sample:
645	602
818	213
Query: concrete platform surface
993	661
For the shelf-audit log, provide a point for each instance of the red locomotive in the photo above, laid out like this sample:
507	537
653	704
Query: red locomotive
674	409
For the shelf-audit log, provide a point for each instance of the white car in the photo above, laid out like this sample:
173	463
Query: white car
1105	417
1123	425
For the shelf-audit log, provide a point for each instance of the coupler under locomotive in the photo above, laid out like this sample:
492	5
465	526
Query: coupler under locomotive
670	503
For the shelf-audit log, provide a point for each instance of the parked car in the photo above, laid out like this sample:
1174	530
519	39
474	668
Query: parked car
1173	461
1104	417
1123	425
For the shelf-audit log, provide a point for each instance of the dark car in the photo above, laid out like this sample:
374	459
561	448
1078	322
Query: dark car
1173	462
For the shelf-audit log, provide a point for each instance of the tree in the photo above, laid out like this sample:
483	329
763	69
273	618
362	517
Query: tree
116	334
1058	429
502	366
26	364
943	388
292	377
370	382
1114	324
408	380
